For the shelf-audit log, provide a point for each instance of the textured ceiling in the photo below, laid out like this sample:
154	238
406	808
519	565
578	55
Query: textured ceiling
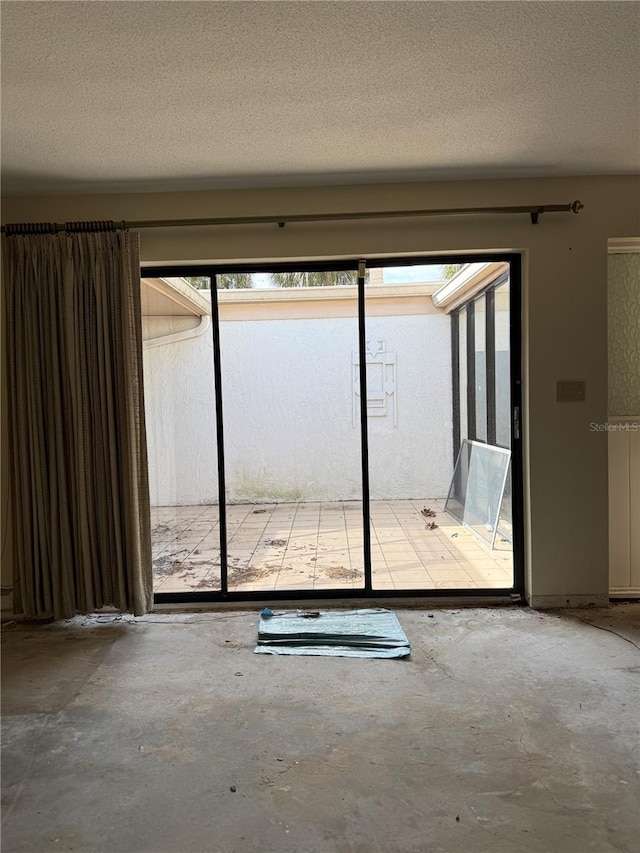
117	96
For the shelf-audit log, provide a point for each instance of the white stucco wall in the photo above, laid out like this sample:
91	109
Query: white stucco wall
415	459
288	412
180	415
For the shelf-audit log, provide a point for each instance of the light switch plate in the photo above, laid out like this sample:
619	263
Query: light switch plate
570	391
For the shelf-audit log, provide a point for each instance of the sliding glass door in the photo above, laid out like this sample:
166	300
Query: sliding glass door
316	439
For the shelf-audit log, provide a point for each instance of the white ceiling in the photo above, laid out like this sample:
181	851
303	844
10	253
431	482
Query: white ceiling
144	96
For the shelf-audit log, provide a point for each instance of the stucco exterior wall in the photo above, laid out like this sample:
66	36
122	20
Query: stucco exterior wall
292	429
180	415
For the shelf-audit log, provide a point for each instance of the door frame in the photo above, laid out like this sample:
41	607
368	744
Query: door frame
209	270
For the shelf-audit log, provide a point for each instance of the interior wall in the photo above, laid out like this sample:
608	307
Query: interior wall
564	323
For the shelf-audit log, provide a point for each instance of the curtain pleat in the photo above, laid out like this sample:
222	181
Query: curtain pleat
79	476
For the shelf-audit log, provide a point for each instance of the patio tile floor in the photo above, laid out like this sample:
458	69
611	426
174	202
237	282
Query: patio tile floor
313	546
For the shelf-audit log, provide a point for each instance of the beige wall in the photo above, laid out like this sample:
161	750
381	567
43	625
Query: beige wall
565	314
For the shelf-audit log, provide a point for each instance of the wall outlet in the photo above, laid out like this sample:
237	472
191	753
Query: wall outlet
570	391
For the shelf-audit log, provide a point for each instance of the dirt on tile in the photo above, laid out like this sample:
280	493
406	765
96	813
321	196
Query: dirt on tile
242	573
169	564
175	563
343	573
207	583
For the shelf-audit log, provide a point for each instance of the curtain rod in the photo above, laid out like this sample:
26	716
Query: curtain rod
534	212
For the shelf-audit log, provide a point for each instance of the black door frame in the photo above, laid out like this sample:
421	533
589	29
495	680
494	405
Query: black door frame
358	267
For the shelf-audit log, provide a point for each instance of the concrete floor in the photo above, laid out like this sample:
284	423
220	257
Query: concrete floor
318	546
506	731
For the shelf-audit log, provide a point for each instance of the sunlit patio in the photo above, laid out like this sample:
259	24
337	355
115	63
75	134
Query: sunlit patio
318	545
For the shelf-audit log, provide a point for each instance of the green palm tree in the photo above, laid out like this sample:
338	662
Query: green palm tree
322	278
234	281
449	270
224	281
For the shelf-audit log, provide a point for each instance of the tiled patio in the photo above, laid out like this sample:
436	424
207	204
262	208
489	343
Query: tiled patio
314	546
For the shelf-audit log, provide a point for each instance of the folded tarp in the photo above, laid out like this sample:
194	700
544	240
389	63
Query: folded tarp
367	633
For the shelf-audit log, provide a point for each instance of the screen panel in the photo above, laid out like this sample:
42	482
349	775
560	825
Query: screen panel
478	486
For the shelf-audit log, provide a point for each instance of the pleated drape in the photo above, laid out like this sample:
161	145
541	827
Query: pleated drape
79	483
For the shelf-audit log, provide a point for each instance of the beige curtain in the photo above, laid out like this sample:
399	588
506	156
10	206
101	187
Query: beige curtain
77	437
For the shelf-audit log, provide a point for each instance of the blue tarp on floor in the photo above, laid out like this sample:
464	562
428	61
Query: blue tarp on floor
366	633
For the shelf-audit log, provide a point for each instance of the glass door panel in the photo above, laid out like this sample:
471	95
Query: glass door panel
293	467
409	408
418	541
180	418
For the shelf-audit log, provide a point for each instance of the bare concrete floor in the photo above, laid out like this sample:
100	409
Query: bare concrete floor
318	546
506	731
